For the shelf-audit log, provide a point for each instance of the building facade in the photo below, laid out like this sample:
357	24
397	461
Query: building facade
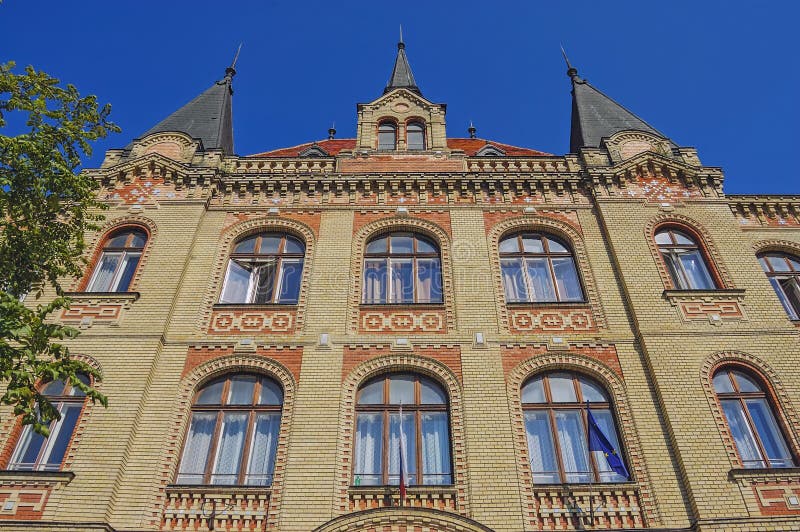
599	340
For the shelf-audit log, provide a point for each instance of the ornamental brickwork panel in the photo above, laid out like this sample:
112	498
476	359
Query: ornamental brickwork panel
26	502
188	509
777	497
527	320
402	321
252	321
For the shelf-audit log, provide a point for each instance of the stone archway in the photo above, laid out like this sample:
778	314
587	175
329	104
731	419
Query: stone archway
400	520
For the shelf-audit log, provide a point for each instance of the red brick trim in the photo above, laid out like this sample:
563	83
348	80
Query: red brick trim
383	363
583	361
196	377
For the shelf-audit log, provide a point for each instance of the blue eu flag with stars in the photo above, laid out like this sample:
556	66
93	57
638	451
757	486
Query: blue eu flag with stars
599	442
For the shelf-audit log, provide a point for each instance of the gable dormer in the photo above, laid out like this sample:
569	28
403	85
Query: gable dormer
415	123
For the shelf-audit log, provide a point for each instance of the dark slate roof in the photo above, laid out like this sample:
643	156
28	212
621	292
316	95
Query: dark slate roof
401	73
595	115
209	117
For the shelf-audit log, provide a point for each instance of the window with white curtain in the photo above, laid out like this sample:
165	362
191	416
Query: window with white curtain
684	260
35	452
556	424
402	268
783	272
758	435
426	427
265	268
233	432
538	268
118	261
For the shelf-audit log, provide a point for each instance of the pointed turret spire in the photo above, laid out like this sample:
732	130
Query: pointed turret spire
595	115
401	73
209	117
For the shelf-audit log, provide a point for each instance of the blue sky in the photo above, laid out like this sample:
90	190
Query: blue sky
718	75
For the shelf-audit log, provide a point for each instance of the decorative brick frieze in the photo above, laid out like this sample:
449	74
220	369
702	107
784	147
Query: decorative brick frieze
659	189
546	510
438	498
24	494
390	163
402	519
229	508
550	318
88	308
766	212
405	320
579	507
255	321
714	306
535	318
290	357
354	355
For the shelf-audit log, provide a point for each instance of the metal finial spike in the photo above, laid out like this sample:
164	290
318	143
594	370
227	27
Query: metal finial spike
471	129
572	72
231	70
401	33
332	131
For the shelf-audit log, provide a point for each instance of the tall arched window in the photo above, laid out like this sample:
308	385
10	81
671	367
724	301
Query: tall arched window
387	136
117	263
264	268
35	452
556	406
402	268
783	271
233	433
538	268
684	260
426	428
751	420
415	136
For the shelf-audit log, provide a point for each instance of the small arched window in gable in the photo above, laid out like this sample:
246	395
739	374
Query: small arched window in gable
684	259
783	272
387	136
538	268
35	452
264	268
751	419
402	268
415	136
117	264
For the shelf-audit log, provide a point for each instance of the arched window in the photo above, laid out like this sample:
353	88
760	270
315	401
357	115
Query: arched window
684	260
415	136
264	268
556	408
783	271
387	136
402	268
233	434
538	268
751	420
118	260
426	431
35	452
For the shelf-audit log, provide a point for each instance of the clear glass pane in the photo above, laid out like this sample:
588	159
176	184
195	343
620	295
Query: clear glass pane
386	137
195	451
401	243
569	286
409	445
425	245
375	281
229	451
248	245
291	277
509	244
241	390
27	451
790	290
513	280
722	383
429	281
368	454
263	447
769	433
696	271
591	391
795	263
662	238
211	394
55	387
778	263
533	391
271	392
435	449
378	245
745	382
60	436
372	393
415	137
541	283
606	423
294	245
402	281
401	389
104	272
764	263
117	240
264	276
562	389
675	270
270	244
130	262
431	393
139	239
742	434
237	282
74	390
541	450
532	244
682	239
574	450
556	247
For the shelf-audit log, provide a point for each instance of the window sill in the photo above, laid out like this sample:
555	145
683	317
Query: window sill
36	477
257	306
381	490
581	487
545	304
373	306
217	488
103	296
770	473
721	293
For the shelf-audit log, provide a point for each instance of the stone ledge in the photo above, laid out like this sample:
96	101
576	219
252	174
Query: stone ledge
105	297
36	477
766	473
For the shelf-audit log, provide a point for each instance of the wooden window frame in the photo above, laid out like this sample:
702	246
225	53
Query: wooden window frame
126	249
664	249
793	273
396	129
423	131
